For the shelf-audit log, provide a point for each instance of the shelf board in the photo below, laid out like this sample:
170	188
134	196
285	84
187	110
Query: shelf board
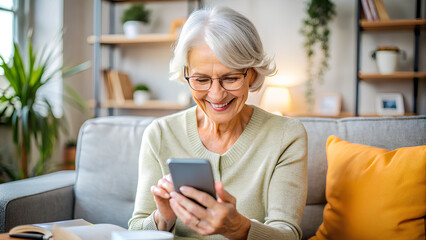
123	1
145	38
149	105
396	75
393	24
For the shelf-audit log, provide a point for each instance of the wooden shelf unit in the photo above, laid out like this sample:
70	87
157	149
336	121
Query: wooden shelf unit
393	76
392	25
120	39
416	25
112	40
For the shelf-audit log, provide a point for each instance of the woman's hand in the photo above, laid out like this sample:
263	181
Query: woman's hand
164	217
219	217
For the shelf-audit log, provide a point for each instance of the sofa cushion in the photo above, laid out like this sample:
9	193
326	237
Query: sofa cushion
374	193
107	169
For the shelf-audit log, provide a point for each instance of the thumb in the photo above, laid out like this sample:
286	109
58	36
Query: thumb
224	196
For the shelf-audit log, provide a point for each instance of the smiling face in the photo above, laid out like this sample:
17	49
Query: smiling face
220	105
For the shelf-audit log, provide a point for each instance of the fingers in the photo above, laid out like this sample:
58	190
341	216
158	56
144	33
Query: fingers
203	198
189	205
163	187
224	196
185	216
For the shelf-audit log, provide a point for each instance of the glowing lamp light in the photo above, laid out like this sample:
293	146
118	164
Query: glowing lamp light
276	99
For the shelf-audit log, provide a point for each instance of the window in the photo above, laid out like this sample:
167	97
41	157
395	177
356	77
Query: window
7	18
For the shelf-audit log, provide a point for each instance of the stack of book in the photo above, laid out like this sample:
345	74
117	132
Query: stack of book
118	85
374	10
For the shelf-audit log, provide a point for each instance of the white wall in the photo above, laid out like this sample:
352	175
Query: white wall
46	21
278	22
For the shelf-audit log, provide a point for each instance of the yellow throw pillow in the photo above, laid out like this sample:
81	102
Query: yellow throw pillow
374	193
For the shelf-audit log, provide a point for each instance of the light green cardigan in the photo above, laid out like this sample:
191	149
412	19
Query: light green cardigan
266	170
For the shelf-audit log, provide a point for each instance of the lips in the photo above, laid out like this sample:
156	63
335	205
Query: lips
221	107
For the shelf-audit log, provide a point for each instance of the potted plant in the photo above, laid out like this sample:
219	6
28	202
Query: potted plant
27	112
316	32
133	20
141	94
69	154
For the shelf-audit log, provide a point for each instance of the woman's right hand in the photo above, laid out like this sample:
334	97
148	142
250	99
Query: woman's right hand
164	216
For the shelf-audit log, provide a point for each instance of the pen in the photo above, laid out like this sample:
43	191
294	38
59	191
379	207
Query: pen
29	236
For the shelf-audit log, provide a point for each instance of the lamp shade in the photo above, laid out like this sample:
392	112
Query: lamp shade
276	99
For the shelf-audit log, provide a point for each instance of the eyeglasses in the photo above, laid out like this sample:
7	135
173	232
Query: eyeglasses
230	82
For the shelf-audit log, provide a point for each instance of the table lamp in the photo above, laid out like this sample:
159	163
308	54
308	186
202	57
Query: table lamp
276	99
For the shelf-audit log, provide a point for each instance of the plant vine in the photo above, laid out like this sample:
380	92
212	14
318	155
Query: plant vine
316	32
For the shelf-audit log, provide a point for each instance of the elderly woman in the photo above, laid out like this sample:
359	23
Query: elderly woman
258	159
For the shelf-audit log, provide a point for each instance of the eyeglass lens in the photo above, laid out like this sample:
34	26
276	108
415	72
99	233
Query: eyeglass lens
231	81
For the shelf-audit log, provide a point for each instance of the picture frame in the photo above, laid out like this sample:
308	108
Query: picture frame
328	104
389	104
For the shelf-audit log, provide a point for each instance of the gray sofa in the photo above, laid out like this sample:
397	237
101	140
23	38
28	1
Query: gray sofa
103	187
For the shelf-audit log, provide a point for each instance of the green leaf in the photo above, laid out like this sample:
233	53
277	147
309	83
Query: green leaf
75	69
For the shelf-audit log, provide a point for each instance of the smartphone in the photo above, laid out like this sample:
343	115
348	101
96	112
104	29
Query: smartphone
196	173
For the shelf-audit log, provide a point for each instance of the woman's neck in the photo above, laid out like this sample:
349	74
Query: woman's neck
236	125
220	137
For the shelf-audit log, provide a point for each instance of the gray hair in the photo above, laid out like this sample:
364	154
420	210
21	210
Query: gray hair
232	38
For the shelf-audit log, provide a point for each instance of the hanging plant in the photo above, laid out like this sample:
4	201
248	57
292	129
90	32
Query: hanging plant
316	32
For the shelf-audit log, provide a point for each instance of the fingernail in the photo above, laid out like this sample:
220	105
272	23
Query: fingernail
167	195
172	202
174	195
183	189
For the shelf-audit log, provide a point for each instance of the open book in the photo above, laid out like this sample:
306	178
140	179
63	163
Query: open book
77	229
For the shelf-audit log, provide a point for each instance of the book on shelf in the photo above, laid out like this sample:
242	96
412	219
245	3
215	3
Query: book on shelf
366	10
108	85
381	10
77	229
373	10
118	85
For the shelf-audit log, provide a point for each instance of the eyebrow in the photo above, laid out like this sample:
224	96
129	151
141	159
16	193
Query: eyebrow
203	74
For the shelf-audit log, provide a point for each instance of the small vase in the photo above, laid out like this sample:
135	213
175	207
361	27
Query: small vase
386	61
140	97
387	58
132	29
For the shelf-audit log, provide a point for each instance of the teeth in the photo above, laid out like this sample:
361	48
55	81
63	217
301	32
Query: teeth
219	105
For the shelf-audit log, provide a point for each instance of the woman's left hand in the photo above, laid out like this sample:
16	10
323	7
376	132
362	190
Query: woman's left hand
219	217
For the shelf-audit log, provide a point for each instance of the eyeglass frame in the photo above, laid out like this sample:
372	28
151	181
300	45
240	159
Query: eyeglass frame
211	80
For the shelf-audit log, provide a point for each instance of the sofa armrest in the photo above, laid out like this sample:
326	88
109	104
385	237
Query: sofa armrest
40	199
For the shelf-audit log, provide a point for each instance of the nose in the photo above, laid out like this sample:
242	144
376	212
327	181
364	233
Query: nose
216	91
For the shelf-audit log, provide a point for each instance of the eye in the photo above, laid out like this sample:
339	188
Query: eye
201	79
230	79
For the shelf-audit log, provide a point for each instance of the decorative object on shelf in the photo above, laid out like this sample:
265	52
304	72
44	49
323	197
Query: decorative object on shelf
390	104
27	112
141	94
70	150
276	99
328	104
118	85
134	20
387	58
316	32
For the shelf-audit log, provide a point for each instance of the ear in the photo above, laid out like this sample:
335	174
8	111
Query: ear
252	76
